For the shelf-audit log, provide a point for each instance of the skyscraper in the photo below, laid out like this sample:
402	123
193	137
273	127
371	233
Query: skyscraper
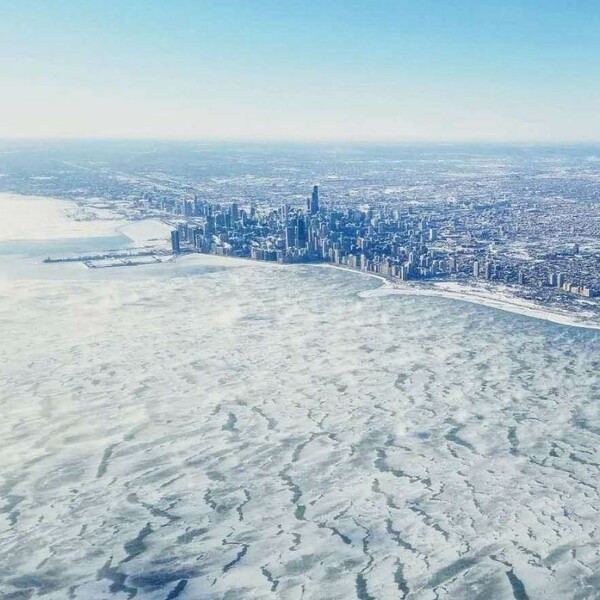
301	233
487	270
290	237
209	226
187	208
175	242
314	201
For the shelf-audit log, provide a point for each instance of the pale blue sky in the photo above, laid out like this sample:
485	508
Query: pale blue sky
439	70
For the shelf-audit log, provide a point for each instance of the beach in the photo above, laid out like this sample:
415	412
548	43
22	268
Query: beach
500	300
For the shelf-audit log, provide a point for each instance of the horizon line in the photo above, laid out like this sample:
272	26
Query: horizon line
305	141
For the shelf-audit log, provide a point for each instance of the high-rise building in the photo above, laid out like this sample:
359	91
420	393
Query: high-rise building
290	237
487	273
452	264
197	237
209	226
301	233
314	201
476	268
175	242
187	208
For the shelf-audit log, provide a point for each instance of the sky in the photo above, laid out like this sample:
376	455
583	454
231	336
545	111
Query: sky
380	70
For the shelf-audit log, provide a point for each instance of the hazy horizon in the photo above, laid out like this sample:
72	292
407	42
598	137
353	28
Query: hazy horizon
313	141
389	72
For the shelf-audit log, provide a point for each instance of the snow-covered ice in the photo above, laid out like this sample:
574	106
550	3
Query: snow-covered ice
36	218
148	231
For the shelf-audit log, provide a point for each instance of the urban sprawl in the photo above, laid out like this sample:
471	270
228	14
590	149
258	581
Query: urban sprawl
463	241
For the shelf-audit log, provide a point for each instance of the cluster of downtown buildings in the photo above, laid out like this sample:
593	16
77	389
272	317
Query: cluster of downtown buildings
529	218
404	245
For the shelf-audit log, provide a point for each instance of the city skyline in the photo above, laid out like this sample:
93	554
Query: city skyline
390	71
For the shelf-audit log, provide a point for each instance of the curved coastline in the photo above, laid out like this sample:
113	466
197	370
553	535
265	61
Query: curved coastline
471	295
449	290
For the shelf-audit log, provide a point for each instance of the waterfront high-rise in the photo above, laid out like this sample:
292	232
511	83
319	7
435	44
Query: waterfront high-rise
175	241
386	239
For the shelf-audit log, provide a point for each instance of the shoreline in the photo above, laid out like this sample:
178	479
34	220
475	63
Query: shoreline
471	295
443	289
